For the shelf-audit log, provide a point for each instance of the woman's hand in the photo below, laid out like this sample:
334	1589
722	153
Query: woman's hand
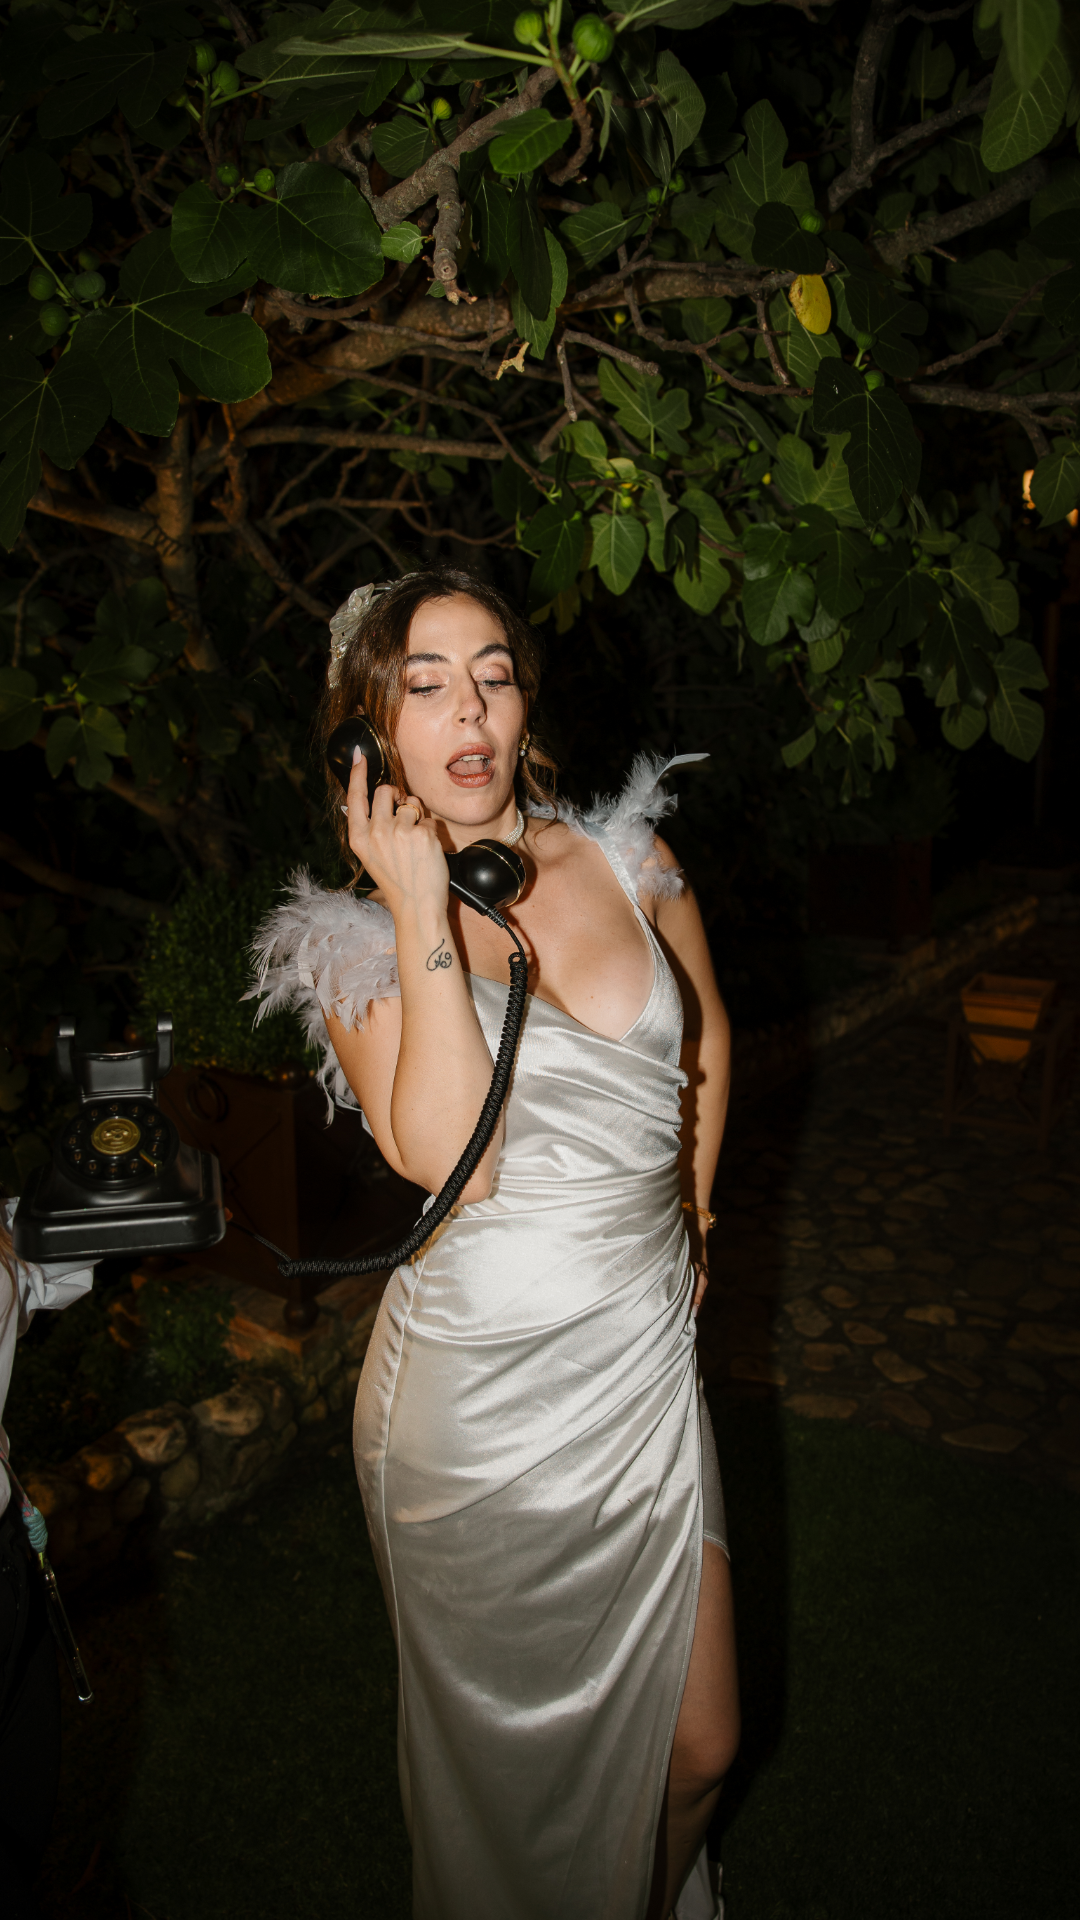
397	845
701	1281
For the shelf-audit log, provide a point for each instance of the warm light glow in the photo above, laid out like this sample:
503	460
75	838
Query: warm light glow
1073	518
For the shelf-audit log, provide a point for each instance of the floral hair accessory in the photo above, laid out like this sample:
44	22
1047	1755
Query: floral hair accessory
345	623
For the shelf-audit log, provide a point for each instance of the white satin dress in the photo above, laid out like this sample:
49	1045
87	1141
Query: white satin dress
537	1463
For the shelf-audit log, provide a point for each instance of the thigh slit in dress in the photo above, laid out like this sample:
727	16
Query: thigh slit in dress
537	1465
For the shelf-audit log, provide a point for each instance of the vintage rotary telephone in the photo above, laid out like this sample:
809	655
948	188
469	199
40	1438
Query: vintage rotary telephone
486	876
120	1179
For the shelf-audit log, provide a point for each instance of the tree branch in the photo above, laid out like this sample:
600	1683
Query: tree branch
634	360
586	136
896	248
985	400
447	229
260	552
112	897
173	506
880	22
854	178
983	346
346	437
423	185
61	504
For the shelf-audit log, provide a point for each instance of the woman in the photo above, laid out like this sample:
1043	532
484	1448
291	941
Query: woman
537	1466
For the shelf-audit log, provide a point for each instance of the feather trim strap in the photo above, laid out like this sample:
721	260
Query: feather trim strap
625	824
322	953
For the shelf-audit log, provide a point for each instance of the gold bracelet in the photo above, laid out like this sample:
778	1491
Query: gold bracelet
709	1218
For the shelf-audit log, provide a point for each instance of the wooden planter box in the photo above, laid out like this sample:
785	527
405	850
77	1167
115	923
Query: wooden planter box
313	1190
999	1000
873	892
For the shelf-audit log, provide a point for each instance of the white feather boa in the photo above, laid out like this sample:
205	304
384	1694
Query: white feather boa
321	952
627	822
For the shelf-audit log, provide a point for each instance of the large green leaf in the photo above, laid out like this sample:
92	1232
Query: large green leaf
643	410
529	257
537	329
802	350
682	15
32	209
20	708
930	68
57	411
208	235
681	101
883	454
873	307
559	545
89	741
898	598
962	726
618	548
779	240
1021	121
402	144
839	553
693	217
734	217
1055	485
369	47
771	601
703	584
957	638
140	619
804	484
528	141
318	236
1016	722
978	572
760	172
163	319
1029	29
597	231
402	242
111	69
108	669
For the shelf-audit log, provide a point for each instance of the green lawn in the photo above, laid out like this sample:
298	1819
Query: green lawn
909	1636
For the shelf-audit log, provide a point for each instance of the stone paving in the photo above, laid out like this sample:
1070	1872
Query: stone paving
867	1268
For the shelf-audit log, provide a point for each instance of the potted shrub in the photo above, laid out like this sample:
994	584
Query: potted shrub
248	1094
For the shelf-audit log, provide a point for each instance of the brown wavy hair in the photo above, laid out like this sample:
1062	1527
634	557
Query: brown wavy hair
371	679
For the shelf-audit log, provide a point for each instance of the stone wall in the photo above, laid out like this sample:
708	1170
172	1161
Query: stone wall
173	1466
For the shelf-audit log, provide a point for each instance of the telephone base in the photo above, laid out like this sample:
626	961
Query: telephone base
56	1220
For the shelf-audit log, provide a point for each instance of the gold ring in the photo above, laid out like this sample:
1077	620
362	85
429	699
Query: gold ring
407	807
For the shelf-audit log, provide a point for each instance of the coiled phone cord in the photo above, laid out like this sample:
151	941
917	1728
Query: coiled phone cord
470	1159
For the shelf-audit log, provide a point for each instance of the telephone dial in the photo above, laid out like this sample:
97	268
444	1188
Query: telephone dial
120	1179
486	876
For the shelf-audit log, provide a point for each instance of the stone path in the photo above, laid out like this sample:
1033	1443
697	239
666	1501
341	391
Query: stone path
867	1268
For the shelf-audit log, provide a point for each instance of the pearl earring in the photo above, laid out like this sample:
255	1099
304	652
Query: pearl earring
524	747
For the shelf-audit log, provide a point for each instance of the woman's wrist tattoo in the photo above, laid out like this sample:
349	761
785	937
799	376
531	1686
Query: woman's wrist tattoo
440	957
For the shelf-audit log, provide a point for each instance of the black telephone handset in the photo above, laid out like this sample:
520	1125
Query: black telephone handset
487	875
120	1180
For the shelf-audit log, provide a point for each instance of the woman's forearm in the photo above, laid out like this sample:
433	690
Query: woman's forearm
707	1063
444	1067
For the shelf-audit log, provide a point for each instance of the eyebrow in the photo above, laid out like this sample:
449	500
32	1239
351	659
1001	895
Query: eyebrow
440	659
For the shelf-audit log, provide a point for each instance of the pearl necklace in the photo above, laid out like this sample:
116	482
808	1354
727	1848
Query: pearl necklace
511	839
